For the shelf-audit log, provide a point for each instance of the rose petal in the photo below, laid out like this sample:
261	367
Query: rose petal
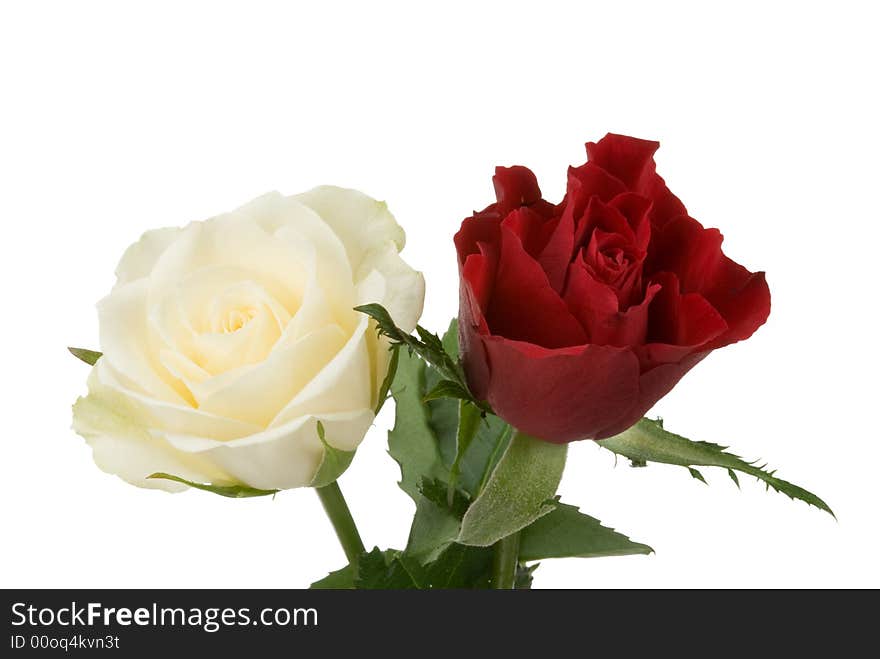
632	161
516	187
139	259
129	344
531	228
653	386
679	324
559	395
280	457
596	306
524	306
362	223
684	247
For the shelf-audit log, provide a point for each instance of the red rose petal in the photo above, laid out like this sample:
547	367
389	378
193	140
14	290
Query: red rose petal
560	395
524	306
632	161
531	228
742	298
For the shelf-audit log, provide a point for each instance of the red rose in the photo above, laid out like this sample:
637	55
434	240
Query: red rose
576	318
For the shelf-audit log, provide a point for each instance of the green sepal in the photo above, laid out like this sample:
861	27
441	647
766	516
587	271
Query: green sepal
469	418
90	357
519	491
333	464
231	491
389	378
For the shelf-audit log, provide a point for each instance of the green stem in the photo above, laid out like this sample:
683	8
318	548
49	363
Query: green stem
504	560
343	523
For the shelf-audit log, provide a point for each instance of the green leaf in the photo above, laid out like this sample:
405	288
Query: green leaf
428	346
342	579
333	464
483	454
90	357
517	492
565	531
434	528
524	576
389	377
448	389
443	412
450	340
647	441
378	570
411	442
439	493
469	419
457	566
231	491
437	520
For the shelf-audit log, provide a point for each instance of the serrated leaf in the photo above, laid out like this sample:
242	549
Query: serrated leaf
517	492
648	441
695	473
333	464
231	491
411	442
378	570
90	357
567	532
437	492
456	567
341	579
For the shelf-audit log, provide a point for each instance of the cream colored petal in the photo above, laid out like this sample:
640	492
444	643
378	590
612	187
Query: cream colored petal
162	415
222	352
344	384
256	394
122	442
131	346
404	293
139	259
233	242
283	457
361	222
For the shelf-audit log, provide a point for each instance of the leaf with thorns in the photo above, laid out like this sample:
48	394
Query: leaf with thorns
647	441
430	349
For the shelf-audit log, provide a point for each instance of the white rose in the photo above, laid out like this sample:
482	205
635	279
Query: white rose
225	342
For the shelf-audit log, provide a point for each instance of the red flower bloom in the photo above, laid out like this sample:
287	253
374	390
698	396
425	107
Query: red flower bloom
575	319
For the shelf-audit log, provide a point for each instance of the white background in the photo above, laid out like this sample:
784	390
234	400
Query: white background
117	118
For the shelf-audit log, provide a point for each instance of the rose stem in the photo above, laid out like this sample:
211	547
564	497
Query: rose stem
504	560
343	523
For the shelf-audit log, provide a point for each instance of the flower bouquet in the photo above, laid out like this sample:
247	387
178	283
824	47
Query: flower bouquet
250	353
